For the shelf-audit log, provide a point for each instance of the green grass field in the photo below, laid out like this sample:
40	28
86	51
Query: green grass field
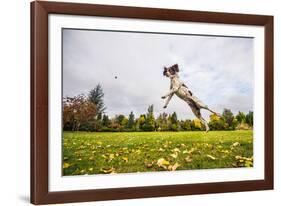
107	153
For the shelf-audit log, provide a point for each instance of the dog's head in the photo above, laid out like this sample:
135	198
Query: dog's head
172	70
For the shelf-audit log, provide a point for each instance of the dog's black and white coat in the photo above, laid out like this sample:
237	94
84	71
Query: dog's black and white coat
182	91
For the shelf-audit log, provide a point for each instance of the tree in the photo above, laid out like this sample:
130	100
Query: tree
120	118
250	118
216	122
161	123
78	110
105	121
186	125
241	117
140	122
174	126
230	121
96	96
197	124
149	120
131	120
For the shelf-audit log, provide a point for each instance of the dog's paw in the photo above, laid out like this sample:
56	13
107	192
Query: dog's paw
163	97
165	107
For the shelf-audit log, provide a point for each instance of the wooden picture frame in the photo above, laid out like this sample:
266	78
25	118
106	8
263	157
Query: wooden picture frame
39	102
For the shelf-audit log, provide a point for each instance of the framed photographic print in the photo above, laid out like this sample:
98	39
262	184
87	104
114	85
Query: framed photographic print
131	102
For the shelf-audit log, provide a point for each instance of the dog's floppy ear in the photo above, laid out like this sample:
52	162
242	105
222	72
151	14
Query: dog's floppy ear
165	71
176	67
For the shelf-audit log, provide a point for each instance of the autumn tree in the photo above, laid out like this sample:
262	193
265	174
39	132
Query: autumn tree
78	110
197	124
216	122
140	122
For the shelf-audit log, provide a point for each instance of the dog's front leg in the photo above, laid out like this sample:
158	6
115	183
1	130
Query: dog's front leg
172	91
168	100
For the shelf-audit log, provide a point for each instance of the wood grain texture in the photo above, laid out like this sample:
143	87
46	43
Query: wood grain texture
39	102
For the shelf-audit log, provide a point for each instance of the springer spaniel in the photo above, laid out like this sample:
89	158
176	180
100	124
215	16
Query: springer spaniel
182	91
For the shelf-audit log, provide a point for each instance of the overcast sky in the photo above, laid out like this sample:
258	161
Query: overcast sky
218	70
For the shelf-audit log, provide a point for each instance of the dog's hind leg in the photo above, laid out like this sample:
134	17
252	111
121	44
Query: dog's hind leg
207	108
197	113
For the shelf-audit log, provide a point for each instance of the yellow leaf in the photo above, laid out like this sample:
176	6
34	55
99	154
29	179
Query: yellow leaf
235	144
173	167
108	170
125	159
161	150
163	163
138	151
191	150
149	165
211	157
111	157
99	143
66	165
175	155
188	159
176	150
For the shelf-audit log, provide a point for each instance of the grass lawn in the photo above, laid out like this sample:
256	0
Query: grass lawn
107	153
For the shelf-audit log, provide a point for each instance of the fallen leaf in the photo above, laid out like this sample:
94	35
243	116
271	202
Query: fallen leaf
125	159
175	155
173	167
191	150
107	170
176	150
138	151
111	157
66	165
163	163
188	159
149	165
161	150
211	157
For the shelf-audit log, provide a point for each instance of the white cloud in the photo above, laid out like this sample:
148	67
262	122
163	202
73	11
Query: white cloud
219	70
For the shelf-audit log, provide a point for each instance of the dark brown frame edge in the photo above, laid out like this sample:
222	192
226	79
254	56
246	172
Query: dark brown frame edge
39	102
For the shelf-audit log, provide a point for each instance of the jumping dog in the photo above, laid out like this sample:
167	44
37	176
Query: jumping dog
182	91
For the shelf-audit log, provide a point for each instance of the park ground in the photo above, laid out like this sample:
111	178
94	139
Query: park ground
127	152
